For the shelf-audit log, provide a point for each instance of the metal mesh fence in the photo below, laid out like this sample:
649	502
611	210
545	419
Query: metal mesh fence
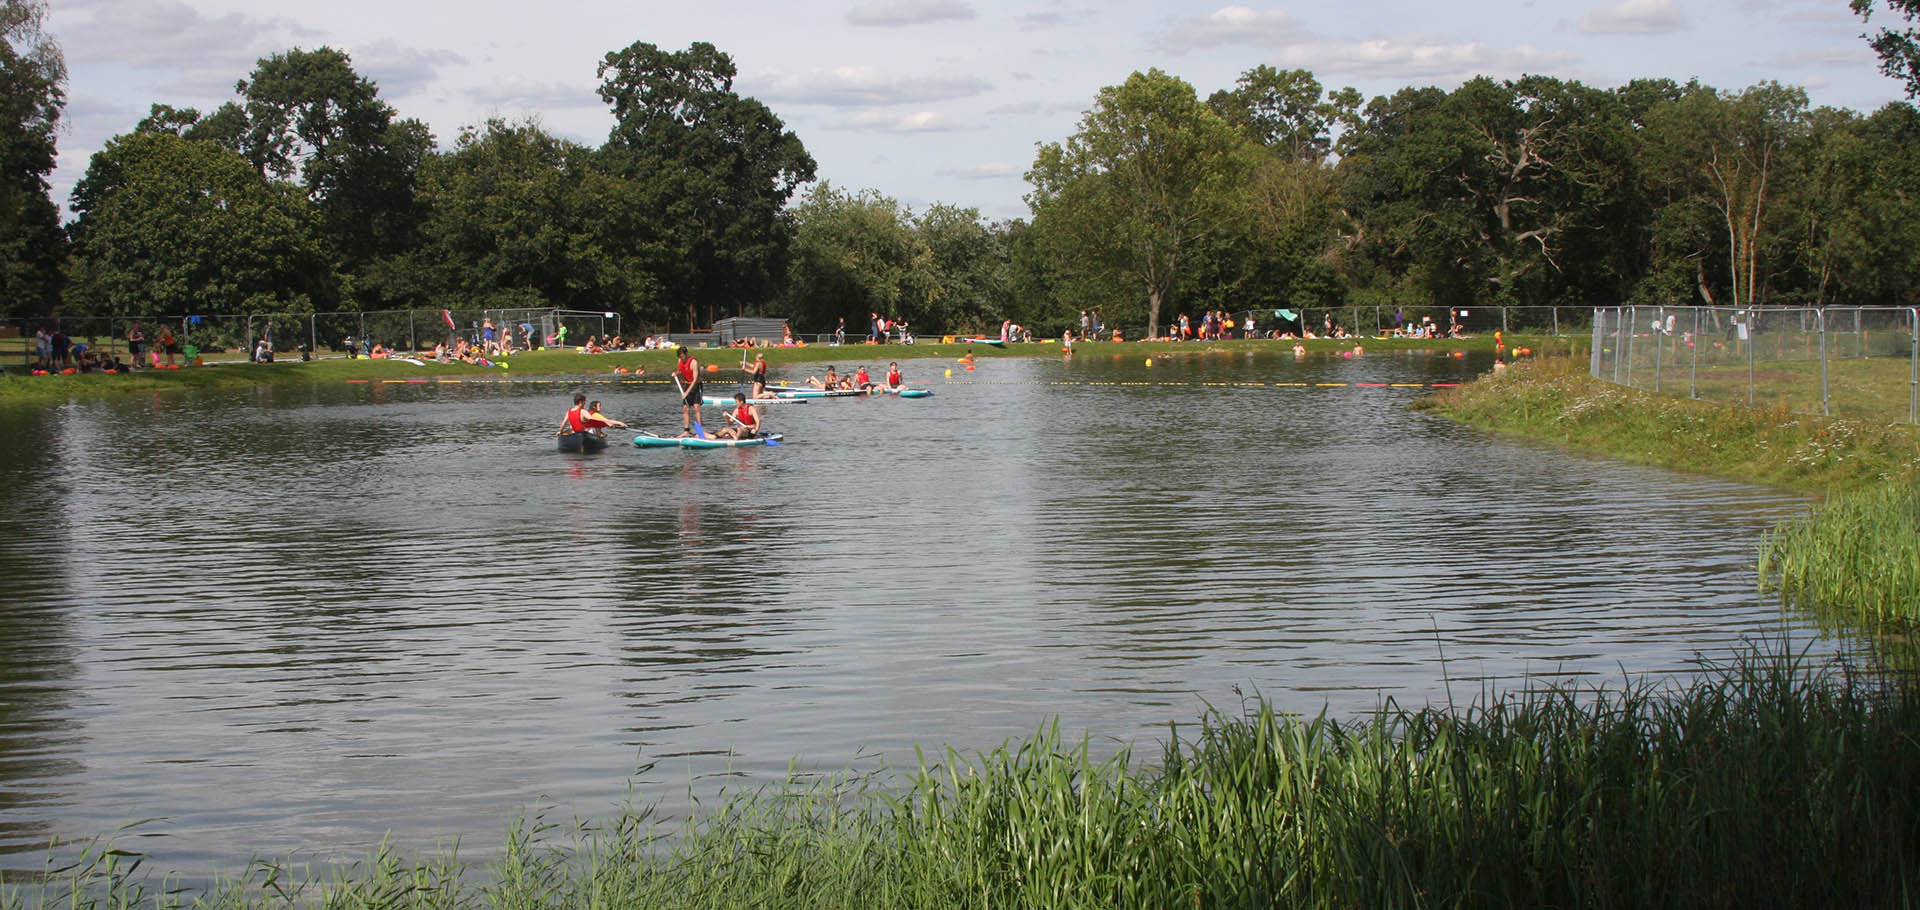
239	337
1835	361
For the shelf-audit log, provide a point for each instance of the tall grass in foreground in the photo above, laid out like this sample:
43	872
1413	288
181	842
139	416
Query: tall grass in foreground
1771	782
1854	561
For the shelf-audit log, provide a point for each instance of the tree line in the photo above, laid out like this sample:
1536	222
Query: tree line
308	193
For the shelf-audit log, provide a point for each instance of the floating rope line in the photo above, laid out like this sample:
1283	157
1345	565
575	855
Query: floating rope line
580	380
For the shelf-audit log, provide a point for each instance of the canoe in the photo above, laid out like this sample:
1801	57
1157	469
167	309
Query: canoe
582	442
648	440
992	341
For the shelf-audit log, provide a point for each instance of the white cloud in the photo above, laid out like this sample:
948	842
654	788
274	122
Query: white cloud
990	171
1231	25
880	122
195	53
859	86
401	71
908	12
1636	17
1427	59
1848	56
535	97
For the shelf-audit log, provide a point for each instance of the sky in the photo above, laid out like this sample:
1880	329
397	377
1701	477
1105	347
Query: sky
926	100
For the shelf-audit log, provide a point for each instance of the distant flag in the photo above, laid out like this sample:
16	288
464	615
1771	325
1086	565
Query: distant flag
449	318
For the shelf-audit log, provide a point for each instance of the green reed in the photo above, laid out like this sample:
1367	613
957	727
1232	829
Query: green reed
1855	560
1772	781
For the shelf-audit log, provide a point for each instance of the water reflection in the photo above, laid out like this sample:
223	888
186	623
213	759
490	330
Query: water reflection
41	743
295	618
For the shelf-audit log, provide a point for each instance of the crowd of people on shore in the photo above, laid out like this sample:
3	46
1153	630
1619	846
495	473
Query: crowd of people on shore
56	353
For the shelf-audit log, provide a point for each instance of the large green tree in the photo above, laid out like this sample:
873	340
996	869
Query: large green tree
855	254
515	216
1139	184
310	118
33	92
715	171
173	225
1287	111
1727	159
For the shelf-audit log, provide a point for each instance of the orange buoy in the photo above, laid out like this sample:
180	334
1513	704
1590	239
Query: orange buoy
713	368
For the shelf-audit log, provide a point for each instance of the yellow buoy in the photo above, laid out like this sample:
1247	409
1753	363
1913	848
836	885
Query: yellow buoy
1149	361
949	374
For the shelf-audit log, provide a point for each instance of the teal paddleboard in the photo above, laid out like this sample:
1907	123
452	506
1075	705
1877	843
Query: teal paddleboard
648	440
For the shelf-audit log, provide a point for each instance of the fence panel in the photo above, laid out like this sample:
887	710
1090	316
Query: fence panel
1844	361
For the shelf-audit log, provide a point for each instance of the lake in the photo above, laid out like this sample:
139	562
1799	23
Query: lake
297	618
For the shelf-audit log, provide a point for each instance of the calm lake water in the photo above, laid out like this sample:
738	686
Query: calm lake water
294	619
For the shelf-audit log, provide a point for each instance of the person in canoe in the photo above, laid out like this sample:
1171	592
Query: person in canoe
596	422
743	419
757	374
894	381
686	378
576	419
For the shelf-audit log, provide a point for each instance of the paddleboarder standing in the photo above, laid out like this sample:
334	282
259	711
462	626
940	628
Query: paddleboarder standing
757	373
686	378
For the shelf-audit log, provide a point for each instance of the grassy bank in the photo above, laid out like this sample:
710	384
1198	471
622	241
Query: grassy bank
17	387
1773	783
1855	561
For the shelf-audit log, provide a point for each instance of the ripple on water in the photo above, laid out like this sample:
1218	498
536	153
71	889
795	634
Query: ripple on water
294	620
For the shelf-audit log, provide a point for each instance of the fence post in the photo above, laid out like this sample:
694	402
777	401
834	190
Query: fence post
1659	346
313	335
1693	357
1593	356
1913	365
1753	341
412	345
1820	320
1633	319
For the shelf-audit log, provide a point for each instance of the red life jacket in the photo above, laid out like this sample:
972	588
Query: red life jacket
685	369
744	414
893	379
577	418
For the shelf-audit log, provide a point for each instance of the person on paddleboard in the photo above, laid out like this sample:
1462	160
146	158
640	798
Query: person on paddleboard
893	376
757	374
596	422
862	381
686	377
829	382
743	420
576	419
